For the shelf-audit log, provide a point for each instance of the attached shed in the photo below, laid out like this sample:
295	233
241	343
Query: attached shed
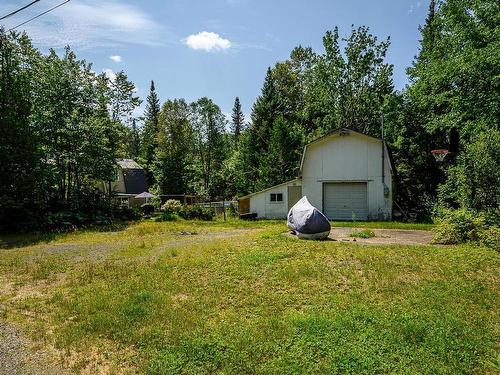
346	174
273	202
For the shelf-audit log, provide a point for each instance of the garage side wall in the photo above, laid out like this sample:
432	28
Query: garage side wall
349	158
261	204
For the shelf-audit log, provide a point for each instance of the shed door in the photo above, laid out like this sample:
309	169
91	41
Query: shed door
294	195
345	201
244	206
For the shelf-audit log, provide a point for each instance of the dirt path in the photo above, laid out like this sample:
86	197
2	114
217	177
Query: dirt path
385	236
19	357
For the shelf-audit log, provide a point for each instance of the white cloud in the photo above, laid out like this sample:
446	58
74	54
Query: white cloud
116	58
207	41
413	7
110	74
91	23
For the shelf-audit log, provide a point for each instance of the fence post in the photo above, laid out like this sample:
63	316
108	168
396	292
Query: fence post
224	208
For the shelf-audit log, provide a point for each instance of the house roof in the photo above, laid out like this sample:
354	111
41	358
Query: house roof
135	181
128	164
134	177
270	188
343	131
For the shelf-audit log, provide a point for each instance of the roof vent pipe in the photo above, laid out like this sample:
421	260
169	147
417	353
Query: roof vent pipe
386	188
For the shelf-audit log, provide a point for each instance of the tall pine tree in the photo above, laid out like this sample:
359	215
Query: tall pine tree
281	161
256	137
238	120
149	140
134	144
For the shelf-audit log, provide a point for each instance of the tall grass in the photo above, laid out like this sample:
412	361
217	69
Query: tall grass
239	297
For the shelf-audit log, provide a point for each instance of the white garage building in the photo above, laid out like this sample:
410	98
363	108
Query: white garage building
346	174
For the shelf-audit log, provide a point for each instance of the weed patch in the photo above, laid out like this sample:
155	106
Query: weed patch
364	233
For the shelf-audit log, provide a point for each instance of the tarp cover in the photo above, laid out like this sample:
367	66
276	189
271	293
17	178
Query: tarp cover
307	221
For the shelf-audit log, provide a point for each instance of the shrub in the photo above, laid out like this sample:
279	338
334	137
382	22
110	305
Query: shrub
62	220
196	212
171	206
155	202
233	210
490	237
147	208
474	182
166	216
125	213
91	209
458	226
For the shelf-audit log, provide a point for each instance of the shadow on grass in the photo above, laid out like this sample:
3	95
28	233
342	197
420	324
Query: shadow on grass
20	240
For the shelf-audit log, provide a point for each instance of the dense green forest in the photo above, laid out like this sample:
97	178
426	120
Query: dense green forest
63	125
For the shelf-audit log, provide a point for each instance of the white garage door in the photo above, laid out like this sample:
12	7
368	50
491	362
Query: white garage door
345	200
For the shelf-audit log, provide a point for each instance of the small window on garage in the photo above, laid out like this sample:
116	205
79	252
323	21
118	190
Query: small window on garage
276	197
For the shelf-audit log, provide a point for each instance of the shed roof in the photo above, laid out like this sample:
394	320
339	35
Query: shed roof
128	164
272	187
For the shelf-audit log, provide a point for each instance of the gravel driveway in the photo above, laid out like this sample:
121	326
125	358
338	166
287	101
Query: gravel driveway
18	357
385	236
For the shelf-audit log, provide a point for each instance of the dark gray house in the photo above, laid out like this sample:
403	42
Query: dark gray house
130	180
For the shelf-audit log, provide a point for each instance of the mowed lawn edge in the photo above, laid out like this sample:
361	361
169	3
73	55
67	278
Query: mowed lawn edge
192	297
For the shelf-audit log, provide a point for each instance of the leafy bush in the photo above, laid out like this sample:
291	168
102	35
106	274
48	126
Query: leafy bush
172	206
196	212
156	202
233	210
126	213
474	182
68	220
458	226
91	209
490	237
147	208
170	210
473	190
166	216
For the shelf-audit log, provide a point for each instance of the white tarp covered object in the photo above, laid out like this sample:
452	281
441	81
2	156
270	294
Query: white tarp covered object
307	221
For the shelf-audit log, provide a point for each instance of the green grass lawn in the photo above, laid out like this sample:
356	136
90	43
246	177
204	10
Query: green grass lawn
242	298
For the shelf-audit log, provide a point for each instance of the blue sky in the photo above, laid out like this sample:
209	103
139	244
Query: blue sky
215	48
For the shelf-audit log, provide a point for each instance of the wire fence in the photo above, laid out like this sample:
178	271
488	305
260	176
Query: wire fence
219	207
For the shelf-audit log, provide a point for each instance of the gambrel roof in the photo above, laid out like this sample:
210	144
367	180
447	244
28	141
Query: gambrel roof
344	131
128	164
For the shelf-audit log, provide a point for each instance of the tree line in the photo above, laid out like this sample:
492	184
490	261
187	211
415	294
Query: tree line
64	126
